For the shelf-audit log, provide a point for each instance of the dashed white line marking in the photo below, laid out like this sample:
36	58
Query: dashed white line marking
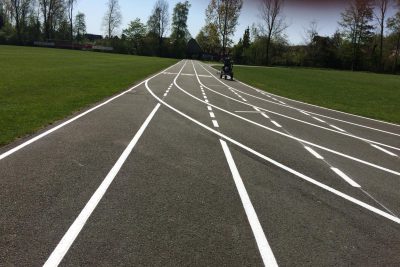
265	115
209	108
283	103
305	113
337	128
318	119
165	94
278	164
212	115
206	101
63	246
312	151
276	124
345	177
262	242
215	123
384	150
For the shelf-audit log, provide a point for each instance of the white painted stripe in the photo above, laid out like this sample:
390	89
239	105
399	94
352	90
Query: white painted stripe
384	150
301	121
215	123
345	177
370	164
305	113
283	103
206	101
40	136
280	165
265	115
187	74
353	115
209	108
312	151
165	94
276	124
288	106
337	128
207	76
244	111
263	246
318	119
63	246
212	115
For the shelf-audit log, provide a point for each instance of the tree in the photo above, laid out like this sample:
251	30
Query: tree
356	25
274	23
246	38
70	6
80	26
113	18
180	33
393	24
158	21
179	21
224	14
381	18
20	9
135	33
2	15
52	10
208	39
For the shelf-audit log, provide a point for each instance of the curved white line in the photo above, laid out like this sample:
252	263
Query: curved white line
356	124
301	121
294	172
292	137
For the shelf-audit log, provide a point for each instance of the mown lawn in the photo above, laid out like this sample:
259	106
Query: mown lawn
367	94
39	86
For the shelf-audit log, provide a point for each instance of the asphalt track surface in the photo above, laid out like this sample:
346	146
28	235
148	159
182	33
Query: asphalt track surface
186	169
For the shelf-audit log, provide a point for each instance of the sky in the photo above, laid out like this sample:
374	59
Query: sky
298	14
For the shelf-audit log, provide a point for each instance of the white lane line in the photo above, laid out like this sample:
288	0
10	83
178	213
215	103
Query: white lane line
305	113
276	124
209	108
280	165
298	120
283	103
312	151
212	115
215	123
265	115
318	119
17	148
337	128
63	246
244	111
187	74
384	150
291	136
263	246
359	125
345	177
165	94
206	101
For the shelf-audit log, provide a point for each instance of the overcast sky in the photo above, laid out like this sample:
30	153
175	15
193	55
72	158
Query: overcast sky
298	13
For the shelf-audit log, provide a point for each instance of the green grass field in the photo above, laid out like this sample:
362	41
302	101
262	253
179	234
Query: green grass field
367	94
39	86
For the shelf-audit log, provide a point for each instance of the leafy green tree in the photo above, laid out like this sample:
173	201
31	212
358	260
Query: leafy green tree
112	18
180	33
157	24
80	26
246	38
224	14
135	34
357	27
208	39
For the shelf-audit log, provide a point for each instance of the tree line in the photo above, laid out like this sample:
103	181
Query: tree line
366	37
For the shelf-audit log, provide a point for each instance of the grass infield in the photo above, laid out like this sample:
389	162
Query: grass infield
367	94
39	86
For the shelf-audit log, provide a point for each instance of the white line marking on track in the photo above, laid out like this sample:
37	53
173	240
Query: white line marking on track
276	124
283	103
206	101
301	121
318	119
265	250
384	150
291	136
305	113
360	125
209	108
265	115
215	123
165	94
337	128
345	177
212	115
245	111
312	151
280	165
63	246
34	139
